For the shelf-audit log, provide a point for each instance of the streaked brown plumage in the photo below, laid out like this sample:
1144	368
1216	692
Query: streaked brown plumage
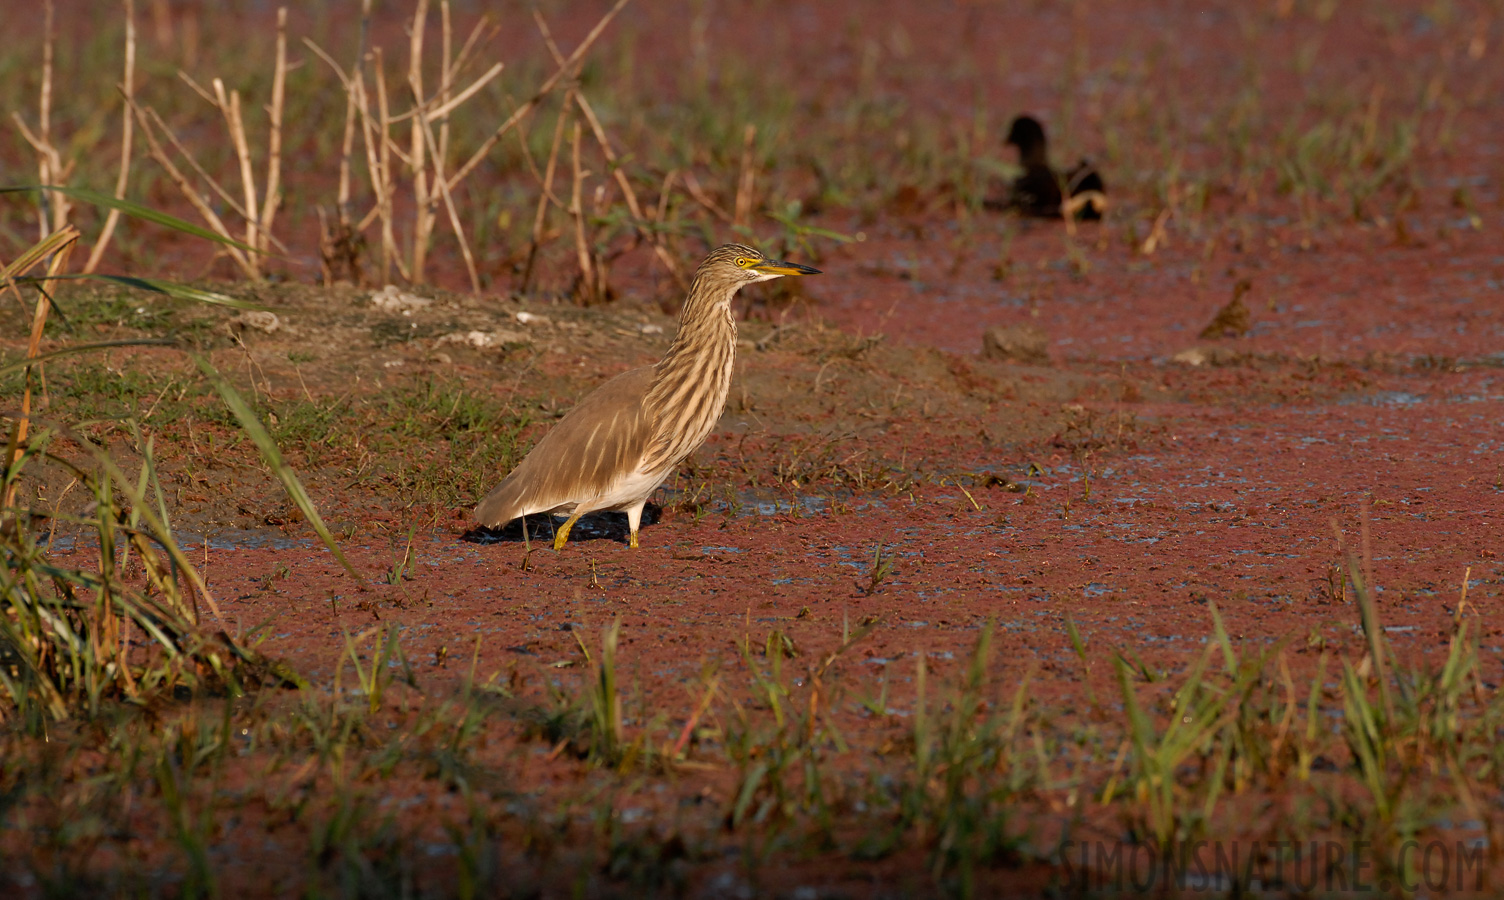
613	450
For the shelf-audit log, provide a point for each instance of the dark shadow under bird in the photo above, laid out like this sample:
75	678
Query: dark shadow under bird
608	526
1041	191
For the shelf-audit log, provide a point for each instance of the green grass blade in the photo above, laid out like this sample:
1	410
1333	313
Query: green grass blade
1220	632
38	251
134	210
748	791
155	285
1079	645
273	456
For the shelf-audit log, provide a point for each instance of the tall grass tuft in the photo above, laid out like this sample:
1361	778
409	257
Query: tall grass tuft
110	611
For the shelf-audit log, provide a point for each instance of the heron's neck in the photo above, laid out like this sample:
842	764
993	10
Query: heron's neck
704	347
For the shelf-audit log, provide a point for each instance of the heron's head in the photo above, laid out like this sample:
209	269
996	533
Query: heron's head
740	264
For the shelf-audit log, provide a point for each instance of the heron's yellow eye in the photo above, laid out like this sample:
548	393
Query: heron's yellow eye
743	262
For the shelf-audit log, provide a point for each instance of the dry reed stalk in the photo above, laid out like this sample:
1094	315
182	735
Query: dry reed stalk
53	212
458	61
532	166
127	138
587	289
451	71
258	216
390	254
224	195
698	194
328	251
229	107
640	221
379	162
643	227
426	145
273	195
429	151
744	183
663	195
454	218
1157	234
446	84
543	90
545	197
377	152
340	243
60	245
444	109
347	147
423	199
354	91
185	187
183	151
54	167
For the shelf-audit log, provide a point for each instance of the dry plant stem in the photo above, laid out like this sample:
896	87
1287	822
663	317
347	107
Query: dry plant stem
377	152
446	59
426	144
447	101
188	192
347	146
532	166
745	182
44	108
354	91
273	196
581	243
664	193
380	147
53	211
697	193
127	138
644	228
65	237
545	197
633	206
452	69
390	255
53	161
454	216
229	106
423	199
1156	233
543	90
443	110
177	145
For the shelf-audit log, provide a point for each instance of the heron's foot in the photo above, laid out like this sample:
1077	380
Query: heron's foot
561	537
633	542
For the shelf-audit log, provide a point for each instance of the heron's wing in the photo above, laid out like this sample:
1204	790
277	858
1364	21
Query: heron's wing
598	442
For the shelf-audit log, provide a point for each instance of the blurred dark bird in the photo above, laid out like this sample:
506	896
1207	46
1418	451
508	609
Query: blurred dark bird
1232	320
1043	192
613	450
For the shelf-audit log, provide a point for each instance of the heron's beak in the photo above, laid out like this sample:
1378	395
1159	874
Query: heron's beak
779	267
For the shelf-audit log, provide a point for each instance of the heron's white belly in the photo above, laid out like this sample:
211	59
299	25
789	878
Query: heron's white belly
629	491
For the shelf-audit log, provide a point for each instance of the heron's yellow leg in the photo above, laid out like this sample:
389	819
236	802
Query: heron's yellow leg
634	539
561	537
